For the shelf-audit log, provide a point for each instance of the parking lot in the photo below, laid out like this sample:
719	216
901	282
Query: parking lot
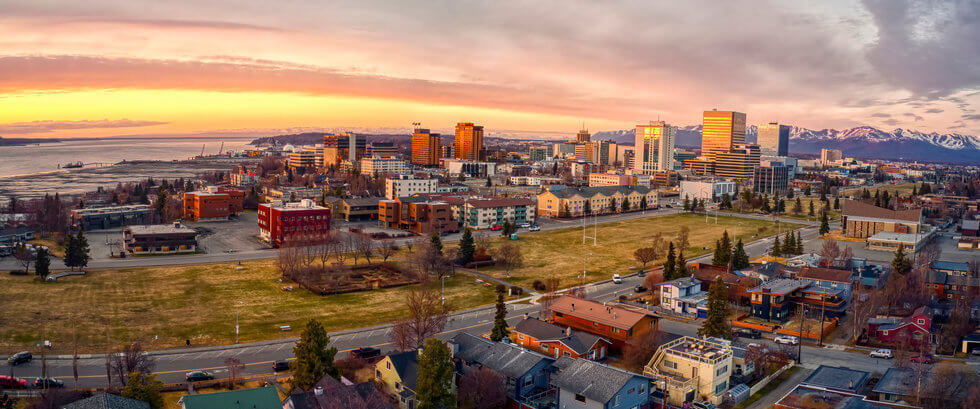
945	240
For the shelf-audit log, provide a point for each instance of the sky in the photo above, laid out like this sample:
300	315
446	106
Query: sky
133	67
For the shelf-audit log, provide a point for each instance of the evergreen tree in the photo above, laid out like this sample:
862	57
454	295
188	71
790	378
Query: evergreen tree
877	198
824	224
789	244
781	207
790	194
314	359
499	331
723	250
681	270
564	210
798	207
626	204
612	205
42	263
489	182
900	263
643	202
777	249
807	191
799	244
726	201
865	194
765	204
466	247
161	203
687	203
507	228
811	208
77	252
740	259
143	387
915	191
837	203
717	324
436	242
434	385
670	265
587	208
886	201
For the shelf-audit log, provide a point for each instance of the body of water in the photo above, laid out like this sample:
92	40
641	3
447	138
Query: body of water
46	157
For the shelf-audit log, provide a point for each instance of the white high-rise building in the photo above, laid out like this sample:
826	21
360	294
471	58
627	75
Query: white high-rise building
654	147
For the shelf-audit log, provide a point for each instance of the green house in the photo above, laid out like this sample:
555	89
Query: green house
265	397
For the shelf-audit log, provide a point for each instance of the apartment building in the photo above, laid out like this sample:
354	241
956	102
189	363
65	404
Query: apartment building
692	369
418	214
485	213
408	185
609	179
684	296
212	204
709	190
618	325
571	202
297	221
377	165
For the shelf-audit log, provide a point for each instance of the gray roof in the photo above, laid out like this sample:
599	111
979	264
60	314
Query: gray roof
577	341
509	360
363	395
896	381
362	201
407	365
682	282
842	379
589	378
102	400
605	190
159	229
781	286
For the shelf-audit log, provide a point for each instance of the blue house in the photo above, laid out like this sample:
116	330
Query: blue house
526	373
582	383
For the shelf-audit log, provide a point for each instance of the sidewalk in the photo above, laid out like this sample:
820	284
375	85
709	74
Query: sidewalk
773	396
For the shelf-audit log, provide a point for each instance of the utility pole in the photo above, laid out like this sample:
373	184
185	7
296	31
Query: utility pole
108	352
823	311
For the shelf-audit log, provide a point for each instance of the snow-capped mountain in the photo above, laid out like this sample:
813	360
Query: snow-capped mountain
861	142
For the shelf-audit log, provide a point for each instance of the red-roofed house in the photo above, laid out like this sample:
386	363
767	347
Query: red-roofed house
557	341
737	286
618	325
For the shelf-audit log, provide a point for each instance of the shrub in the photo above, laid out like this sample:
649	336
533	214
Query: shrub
539	285
501	288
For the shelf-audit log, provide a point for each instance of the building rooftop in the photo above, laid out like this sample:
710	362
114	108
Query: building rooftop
507	359
577	341
603	190
488	203
111	209
698	349
806	396
826	274
159	229
781	286
860	209
838	378
407	365
305	204
896	381
950	265
898	237
591	379
102	400
682	282
265	397
593	311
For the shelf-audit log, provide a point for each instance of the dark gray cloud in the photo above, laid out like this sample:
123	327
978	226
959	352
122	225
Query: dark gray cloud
51	126
891	122
971	117
929	47
934	110
880	115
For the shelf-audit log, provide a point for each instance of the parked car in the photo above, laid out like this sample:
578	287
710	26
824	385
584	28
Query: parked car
10	382
525	225
786	339
48	383
640	289
925	359
369	354
534	228
197	376
882	353
641	273
703	405
21	357
747	333
497	227
279	366
617	279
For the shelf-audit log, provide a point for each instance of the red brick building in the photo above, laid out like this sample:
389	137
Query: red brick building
618	325
417	214
213	204
556	341
300	221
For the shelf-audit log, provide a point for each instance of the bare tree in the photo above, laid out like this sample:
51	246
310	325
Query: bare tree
863	307
829	252
639	350
235	368
682	239
645	255
341	250
509	257
25	257
289	258
325	249
659	245
846	257
426	317
482	389
387	249
132	358
947	385
365	246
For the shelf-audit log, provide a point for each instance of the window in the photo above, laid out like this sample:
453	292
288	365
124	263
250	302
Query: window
616	400
721	387
544	347
670	364
721	370
528	381
388	364
921	321
580	398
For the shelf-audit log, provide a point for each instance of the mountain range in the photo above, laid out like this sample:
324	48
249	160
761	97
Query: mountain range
859	142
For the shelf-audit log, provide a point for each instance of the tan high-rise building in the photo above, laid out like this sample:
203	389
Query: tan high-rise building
720	131
654	147
469	141
738	163
426	148
583	136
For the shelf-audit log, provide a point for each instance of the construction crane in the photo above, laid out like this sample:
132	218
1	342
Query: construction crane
220	147
202	151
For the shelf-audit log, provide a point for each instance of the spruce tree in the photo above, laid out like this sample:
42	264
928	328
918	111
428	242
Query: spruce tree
77	252
900	263
587	208
740	259
143	387
789	244
824	224
670	265
466	247
42	263
836	203
726	246
799	244
687	203
777	249
507	228
626	204
681	270
765	204
436	242
811	208
798	207
643	202
499	331
612	205
314	359
434	385
717	324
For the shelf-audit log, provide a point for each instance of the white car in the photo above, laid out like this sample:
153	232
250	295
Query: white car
525	225
786	339
617	279
882	353
534	228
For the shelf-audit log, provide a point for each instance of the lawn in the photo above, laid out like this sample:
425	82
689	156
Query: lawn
561	254
903	189
164	306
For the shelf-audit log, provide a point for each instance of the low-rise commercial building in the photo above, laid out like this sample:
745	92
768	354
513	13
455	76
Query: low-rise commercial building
108	217
159	239
293	222
692	369
468	168
485	213
709	190
610	179
862	220
771	180
356	209
213	204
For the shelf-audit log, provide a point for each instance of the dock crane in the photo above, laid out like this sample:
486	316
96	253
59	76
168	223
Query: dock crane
220	147
202	151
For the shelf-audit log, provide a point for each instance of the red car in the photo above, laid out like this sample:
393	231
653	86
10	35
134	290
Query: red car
925	359
10	382
497	227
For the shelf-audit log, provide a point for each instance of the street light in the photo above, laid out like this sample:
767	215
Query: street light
237	307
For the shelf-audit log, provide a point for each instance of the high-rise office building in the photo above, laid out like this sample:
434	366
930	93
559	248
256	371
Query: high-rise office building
828	156
426	147
771	179
343	146
720	131
738	163
601	152
773	139
583	152
538	153
583	136
654	147
469	141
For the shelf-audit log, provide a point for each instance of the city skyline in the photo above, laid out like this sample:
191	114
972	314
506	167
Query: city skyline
188	68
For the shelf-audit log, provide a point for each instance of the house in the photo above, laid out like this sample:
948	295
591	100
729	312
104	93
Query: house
582	383
741	368
771	300
553	340
684	296
897	385
736	285
102	400
839	279
618	325
952	282
764	271
969	227
266	397
895	330
396	374
330	393
526	374
692	369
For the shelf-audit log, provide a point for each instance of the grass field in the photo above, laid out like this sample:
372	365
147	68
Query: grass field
163	306
903	189
560	253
